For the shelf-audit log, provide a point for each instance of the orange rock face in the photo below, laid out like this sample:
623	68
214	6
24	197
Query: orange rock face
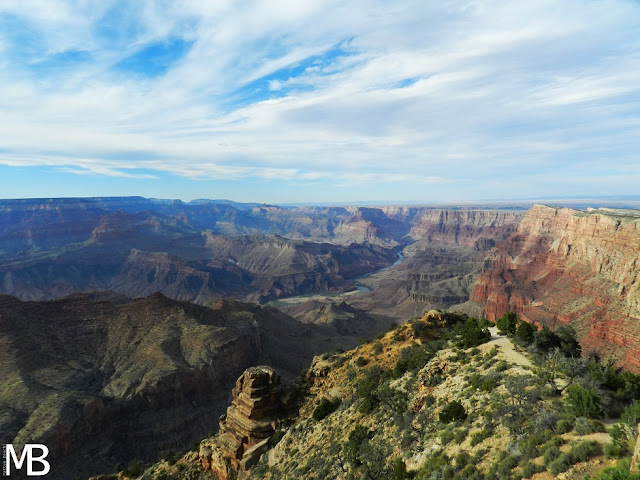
567	266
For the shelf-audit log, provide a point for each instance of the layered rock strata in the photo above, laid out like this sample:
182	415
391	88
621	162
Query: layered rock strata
471	228
449	252
566	266
251	418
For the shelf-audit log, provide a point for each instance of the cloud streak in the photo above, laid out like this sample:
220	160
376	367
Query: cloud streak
342	93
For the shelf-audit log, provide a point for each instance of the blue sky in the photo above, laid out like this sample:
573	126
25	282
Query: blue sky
319	101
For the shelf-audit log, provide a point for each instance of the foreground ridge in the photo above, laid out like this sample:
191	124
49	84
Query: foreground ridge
443	396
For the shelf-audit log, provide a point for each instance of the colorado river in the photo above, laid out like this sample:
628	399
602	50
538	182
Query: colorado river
364	288
359	288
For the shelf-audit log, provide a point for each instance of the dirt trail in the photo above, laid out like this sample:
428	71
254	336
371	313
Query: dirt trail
507	349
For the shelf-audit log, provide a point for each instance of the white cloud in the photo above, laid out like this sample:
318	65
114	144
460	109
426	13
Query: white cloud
428	93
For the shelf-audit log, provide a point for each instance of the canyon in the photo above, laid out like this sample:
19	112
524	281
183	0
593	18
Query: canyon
125	315
205	250
565	266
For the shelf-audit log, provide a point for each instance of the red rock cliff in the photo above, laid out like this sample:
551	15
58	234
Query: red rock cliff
567	266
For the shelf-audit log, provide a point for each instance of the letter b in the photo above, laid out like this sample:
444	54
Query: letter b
41	459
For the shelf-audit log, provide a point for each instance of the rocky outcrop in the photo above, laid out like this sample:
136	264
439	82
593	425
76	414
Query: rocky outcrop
251	418
259	404
568	266
317	372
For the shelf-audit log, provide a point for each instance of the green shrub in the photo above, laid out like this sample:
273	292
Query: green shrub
459	435
505	465
446	436
462	459
398	335
631	414
585	426
399	470
434	465
524	333
559	465
361	361
453	412
507	323
529	469
472	333
365	390
324	408
411	358
565	425
619	472
482	383
622	438
555	441
615	450
478	437
583	402
580	453
470	472
502	366
528	448
568	342
162	475
550	454
134	469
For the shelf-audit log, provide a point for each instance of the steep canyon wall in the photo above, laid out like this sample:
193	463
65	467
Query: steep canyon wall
567	266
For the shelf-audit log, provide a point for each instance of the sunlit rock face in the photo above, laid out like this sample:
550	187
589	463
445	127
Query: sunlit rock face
567	266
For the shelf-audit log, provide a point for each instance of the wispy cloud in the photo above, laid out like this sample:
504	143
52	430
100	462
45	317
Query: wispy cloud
344	93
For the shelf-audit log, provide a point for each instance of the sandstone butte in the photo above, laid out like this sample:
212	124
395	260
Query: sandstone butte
566	266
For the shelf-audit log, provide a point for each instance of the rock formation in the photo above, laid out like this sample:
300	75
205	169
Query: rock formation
449	252
137	254
567	266
252	416
471	228
259	403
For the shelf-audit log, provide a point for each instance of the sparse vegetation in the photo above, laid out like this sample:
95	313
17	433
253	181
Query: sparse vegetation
324	408
453	412
479	415
580	453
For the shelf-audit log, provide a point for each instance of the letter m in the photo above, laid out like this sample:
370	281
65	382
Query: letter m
12	455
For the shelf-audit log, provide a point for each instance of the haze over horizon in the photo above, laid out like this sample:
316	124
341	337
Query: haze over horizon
319	102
